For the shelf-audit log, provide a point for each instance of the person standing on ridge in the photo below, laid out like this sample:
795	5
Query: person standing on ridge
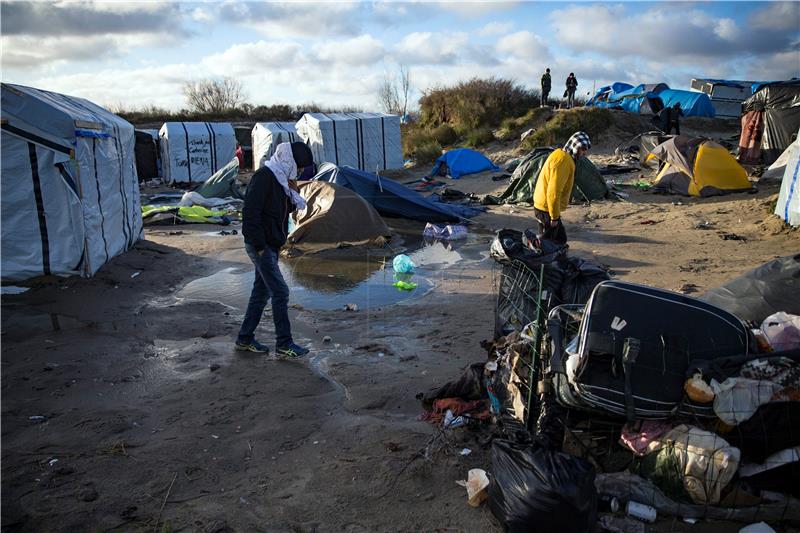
554	186
271	196
572	86
546	84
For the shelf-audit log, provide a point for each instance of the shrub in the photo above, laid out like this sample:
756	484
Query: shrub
428	152
478	137
593	121
444	134
475	103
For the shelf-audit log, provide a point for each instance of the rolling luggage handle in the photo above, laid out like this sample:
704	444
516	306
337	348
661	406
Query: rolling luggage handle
630	351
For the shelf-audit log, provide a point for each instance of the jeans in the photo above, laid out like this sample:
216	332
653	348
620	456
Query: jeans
545	94
557	234
570	99
269	283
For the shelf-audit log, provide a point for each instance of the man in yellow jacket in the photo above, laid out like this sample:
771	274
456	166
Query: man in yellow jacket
554	186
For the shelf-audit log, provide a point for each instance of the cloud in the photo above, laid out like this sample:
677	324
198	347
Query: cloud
495	28
676	36
427	48
361	50
282	19
476	8
52	19
523	45
781	16
249	58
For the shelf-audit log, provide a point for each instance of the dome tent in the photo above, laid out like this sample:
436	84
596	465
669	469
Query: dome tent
70	195
335	217
698	167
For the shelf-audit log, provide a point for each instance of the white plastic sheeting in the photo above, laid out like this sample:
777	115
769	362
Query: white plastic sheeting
193	151
70	195
267	136
366	141
788	206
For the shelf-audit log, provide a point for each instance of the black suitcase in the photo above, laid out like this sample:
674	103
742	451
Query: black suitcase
635	346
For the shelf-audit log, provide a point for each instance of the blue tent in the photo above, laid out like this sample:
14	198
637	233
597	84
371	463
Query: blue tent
463	161
386	196
692	103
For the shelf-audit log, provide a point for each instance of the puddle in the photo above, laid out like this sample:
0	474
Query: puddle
319	282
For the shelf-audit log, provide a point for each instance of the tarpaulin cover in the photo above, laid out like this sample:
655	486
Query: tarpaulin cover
779	103
223	183
335	217
693	104
642	98
463	161
388	197
761	292
70	196
172	214
366	141
266	136
788	206
191	152
778	168
698	167
589	184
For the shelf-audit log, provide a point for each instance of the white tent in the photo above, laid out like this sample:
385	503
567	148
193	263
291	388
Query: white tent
788	206
777	169
366	141
193	151
267	136
70	195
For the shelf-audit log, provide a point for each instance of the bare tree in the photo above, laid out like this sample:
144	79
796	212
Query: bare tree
388	95
214	96
394	91
405	87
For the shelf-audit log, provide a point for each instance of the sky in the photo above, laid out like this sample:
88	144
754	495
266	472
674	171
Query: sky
130	55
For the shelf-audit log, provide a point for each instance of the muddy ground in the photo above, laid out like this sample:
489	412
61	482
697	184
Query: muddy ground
125	407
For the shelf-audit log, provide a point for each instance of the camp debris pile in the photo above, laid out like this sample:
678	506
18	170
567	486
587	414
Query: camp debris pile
603	396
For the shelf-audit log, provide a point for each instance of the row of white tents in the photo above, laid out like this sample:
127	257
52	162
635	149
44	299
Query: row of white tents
193	151
70	191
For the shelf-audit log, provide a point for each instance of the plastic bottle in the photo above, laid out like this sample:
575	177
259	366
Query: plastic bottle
641	511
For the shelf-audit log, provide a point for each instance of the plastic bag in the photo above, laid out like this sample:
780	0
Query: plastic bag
782	331
449	232
403	264
536	489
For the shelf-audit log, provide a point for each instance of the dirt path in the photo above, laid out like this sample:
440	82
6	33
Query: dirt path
152	421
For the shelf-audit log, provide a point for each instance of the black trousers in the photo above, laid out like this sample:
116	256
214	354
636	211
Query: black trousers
557	233
545	94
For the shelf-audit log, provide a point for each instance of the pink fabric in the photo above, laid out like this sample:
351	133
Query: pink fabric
638	436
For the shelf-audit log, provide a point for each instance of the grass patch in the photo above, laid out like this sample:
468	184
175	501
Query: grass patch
428	152
593	121
512	127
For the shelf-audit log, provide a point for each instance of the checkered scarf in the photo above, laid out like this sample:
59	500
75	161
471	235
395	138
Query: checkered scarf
578	140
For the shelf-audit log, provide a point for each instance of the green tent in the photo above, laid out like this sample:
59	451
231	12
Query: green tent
589	184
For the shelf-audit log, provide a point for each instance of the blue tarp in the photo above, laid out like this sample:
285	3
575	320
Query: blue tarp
463	161
386	196
692	103
628	98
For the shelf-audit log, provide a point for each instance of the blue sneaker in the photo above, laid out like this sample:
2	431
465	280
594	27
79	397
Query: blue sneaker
252	346
292	351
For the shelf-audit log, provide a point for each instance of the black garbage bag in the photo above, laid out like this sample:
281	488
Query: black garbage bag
537	489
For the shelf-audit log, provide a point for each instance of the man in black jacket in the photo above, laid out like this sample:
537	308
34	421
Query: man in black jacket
271	196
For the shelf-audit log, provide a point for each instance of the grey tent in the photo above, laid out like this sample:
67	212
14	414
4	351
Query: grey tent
70	197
